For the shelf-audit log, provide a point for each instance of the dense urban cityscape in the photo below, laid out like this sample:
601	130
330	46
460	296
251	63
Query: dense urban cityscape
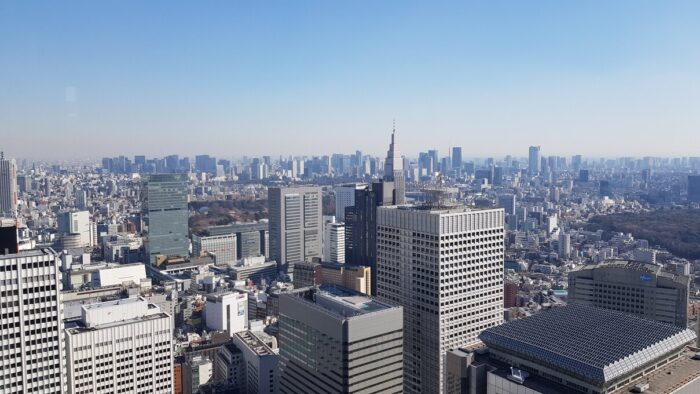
350	273
349	197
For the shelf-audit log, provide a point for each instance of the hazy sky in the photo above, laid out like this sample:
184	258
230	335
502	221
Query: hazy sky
233	78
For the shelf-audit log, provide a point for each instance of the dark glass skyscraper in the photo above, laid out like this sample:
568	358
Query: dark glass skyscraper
164	199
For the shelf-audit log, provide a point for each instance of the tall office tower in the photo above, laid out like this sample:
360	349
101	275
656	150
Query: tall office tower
507	202
295	224
393	171
335	340
121	346
345	197
223	247
32	355
362	248
632	287
164	204
8	186
81	199
457	158
433	153
334	243
76	223
694	188
576	163
444	265
564	246
534	162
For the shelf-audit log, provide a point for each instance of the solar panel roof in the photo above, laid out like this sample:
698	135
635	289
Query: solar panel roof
593	344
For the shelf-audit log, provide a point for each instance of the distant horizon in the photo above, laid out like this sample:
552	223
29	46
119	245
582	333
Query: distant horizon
600	79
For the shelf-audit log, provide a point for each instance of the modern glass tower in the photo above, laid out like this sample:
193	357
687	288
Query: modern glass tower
8	187
164	200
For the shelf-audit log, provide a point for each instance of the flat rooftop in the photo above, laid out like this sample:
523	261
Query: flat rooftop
685	370
593	344
349	300
638	266
108	304
254	343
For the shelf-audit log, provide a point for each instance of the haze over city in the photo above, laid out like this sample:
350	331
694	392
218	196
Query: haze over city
87	79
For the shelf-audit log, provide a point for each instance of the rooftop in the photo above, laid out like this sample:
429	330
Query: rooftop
346	302
254	343
593	344
638	266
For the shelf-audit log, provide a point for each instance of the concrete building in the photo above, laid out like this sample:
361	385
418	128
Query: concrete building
334	243
632	287
334	340
534	162
120	346
70	223
344	198
121	248
227	312
444	265
164	203
354	277
507	202
252	239
222	247
393	171
295	224
457	158
32	355
196	372
593	350
260	367
121	274
564	247
8	187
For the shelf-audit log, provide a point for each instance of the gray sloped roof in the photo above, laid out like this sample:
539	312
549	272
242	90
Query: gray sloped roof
593	344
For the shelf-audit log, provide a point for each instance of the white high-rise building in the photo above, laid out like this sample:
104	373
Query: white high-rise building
334	243
345	197
76	223
296	229
227	312
8	187
121	346
32	351
445	267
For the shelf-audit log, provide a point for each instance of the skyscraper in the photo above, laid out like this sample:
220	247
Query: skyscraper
8	186
345	197
534	161
295	224
32	358
335	340
334	243
164	204
444	265
457	158
393	171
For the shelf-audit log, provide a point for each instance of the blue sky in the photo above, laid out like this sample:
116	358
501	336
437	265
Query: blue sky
231	78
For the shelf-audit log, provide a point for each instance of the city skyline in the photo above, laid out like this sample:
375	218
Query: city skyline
596	79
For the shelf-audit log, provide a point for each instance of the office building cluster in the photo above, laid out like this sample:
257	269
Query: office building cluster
346	273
